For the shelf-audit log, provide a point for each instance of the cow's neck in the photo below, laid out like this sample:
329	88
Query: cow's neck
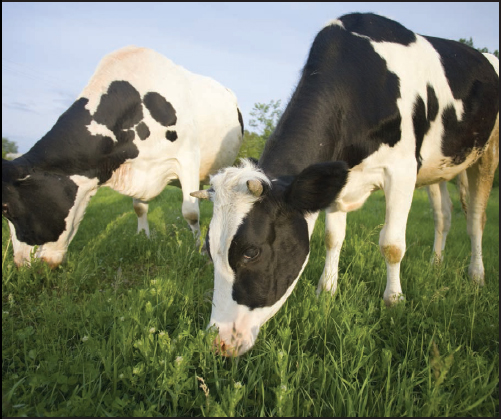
303	136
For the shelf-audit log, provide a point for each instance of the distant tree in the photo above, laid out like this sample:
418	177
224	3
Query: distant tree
469	42
8	147
265	118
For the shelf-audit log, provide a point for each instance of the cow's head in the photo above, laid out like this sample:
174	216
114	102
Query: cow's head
258	240
42	211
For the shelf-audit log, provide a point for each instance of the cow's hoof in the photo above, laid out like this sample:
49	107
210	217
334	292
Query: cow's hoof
477	276
436	260
479	280
329	287
393	299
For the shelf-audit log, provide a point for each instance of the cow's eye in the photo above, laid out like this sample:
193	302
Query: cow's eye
250	253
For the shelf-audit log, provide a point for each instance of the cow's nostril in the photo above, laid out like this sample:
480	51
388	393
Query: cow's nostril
219	346
222	348
52	264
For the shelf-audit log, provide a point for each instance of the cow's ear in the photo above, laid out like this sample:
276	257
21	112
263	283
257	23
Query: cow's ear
317	186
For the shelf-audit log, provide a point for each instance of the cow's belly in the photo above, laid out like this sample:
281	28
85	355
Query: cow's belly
397	163
372	174
143	179
442	168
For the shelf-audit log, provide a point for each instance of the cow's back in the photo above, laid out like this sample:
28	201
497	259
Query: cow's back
374	92
187	117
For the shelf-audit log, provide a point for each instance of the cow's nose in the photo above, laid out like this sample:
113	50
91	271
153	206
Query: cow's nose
223	348
52	262
228	349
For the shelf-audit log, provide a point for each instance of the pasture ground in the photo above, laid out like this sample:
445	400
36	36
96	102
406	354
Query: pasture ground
120	328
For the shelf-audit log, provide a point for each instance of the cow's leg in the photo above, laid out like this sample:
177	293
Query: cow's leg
462	185
190	182
398	189
335	231
480	177
442	206
141	209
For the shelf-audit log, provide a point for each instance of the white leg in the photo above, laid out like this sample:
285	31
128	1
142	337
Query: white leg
442	205
191	213
398	189
480	177
462	185
141	209
335	231
479	191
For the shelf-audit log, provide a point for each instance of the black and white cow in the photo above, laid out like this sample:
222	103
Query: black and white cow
376	107
141	122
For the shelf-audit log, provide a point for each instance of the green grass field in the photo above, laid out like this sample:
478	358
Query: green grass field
119	329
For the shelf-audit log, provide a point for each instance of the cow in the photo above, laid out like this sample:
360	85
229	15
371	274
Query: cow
141	122
376	107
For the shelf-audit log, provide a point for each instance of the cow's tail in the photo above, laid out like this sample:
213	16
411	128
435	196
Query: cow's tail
462	185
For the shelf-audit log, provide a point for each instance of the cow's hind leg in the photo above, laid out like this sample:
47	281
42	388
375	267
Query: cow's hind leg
480	177
398	190
335	231
141	209
442	208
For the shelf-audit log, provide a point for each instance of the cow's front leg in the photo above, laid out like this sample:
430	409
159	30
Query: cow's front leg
398	189
441	205
141	210
190	182
335	231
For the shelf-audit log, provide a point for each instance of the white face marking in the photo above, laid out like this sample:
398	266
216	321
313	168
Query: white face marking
232	202
238	325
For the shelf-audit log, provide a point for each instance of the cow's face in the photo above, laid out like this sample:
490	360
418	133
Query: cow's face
259	243
41	210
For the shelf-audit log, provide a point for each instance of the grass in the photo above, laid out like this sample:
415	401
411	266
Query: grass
119	329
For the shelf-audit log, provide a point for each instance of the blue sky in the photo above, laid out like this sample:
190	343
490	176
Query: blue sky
50	50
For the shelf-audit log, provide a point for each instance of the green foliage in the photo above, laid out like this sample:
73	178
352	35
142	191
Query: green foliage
266	116
120	328
252	145
8	147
